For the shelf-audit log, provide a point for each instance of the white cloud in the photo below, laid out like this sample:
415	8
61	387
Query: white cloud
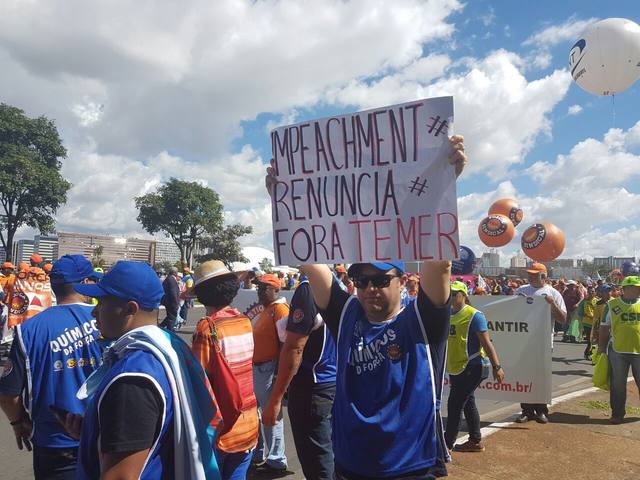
499	136
555	34
591	193
544	40
182	80
574	110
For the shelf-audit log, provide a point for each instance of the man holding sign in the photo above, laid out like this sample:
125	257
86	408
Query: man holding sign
390	360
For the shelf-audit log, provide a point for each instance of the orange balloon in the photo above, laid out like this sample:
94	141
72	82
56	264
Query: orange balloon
496	230
543	242
509	208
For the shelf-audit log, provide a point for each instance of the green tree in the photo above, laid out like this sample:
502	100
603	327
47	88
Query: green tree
96	257
266	265
31	186
225	246
184	211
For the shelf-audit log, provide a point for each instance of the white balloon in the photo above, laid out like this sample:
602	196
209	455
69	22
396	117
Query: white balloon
606	58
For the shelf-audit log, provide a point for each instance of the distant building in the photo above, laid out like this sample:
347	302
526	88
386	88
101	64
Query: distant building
611	262
46	246
22	251
3	254
113	248
518	262
490	271
490	259
167	251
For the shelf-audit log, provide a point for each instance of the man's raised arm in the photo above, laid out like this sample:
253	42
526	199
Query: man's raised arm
320	281
435	278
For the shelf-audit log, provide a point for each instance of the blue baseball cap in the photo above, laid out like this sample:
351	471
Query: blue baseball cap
128	281
603	287
383	267
70	269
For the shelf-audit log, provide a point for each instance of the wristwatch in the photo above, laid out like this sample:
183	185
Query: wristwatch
497	367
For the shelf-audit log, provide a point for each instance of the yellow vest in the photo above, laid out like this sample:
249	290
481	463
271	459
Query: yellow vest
625	325
457	354
589	310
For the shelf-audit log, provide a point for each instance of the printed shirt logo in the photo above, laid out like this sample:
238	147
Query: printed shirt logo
367	357
616	310
58	366
71	363
19	303
394	352
298	315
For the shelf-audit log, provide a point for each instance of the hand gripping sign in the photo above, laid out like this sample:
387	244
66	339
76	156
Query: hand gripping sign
368	186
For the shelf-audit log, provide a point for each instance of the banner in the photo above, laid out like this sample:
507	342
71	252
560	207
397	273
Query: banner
368	186
28	298
520	328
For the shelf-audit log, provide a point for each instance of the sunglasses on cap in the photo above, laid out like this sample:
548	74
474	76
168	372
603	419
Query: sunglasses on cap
378	281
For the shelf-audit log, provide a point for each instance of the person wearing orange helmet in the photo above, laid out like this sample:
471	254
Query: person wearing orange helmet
36	260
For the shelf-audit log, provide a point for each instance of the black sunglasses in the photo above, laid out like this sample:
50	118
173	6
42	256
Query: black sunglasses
378	281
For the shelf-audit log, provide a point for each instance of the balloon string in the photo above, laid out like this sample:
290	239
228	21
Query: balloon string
613	102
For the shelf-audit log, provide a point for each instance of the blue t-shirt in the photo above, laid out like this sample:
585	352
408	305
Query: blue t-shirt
319	356
386	418
52	355
478	325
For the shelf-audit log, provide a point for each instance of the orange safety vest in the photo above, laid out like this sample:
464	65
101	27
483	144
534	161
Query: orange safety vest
29	297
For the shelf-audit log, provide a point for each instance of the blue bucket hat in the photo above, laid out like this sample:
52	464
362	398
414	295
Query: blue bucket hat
70	269
128	281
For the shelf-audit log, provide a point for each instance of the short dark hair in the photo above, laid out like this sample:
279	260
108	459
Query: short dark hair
218	292
63	290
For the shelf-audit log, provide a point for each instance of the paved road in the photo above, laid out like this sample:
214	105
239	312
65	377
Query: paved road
570	372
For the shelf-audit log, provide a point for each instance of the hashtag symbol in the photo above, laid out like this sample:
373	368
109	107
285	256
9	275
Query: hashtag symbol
417	187
437	125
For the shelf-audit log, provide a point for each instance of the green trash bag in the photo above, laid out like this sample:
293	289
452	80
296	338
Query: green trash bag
601	372
574	329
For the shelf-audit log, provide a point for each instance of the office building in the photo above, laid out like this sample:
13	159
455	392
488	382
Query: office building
109	249
46	246
22	251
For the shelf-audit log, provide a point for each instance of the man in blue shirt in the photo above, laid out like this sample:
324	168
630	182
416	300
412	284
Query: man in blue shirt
52	355
151	412
307	367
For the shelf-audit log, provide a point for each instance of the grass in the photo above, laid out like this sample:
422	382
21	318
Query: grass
605	407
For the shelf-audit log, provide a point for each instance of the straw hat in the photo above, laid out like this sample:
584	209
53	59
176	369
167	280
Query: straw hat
210	269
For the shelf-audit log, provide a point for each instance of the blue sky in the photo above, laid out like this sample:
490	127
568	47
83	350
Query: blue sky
151	90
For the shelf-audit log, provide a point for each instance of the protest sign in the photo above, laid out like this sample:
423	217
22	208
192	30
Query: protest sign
368	186
520	329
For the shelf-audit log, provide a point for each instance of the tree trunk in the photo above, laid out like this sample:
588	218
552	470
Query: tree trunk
10	233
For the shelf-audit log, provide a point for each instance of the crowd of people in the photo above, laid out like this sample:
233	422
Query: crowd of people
99	386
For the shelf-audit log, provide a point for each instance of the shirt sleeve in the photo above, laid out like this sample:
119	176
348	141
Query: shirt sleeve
478	323
13	375
434	319
559	301
280	317
333	312
130	415
303	311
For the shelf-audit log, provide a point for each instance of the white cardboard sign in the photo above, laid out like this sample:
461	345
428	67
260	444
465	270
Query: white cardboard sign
369	186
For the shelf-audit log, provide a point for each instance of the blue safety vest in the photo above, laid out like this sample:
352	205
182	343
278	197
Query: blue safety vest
138	363
60	350
384	413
